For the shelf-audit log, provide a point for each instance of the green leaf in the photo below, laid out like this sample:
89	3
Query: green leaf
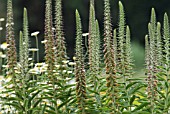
36	103
136	88
92	91
141	112
141	106
51	112
161	93
31	98
43	109
15	104
130	84
62	104
132	99
127	112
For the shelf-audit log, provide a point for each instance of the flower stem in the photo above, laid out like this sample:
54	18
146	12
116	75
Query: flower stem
37	48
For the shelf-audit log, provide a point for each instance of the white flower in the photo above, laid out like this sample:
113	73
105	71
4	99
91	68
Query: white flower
45	65
5	66
65	62
2	19
74	58
54	48
71	63
17	72
64	66
39	64
85	34
29	59
64	71
54	70
43	69
44	41
34	71
4	46
53	28
56	73
69	72
3	56
1	28
35	33
58	66
33	49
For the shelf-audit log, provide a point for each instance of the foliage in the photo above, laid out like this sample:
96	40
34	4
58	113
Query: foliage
85	86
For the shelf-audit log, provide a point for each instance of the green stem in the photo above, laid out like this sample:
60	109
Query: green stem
37	48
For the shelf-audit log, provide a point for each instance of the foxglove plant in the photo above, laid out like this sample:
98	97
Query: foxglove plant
94	52
59	35
121	41
49	37
79	69
109	61
115	44
50	54
159	49
11	50
166	65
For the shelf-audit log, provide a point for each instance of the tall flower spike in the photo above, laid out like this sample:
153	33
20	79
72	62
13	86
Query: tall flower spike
49	37
159	45
128	53
98	47
128	65
79	69
21	46
60	40
109	59
152	82
147	53
115	45
92	2
153	38
24	63
166	57
92	35
121	40
11	50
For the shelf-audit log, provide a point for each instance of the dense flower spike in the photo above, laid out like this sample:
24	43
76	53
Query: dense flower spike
92	36
20	46
94	48
49	37
11	49
109	59
115	44
79	69
121	40
59	35
166	65
152	82
98	47
25	47
128	55
151	59
153	39
159	49
147	53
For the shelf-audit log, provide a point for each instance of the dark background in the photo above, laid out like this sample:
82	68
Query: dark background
137	17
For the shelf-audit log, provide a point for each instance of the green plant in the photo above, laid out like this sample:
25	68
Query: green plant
86	86
79	69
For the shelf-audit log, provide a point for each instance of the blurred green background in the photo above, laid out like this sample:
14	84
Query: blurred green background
137	17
